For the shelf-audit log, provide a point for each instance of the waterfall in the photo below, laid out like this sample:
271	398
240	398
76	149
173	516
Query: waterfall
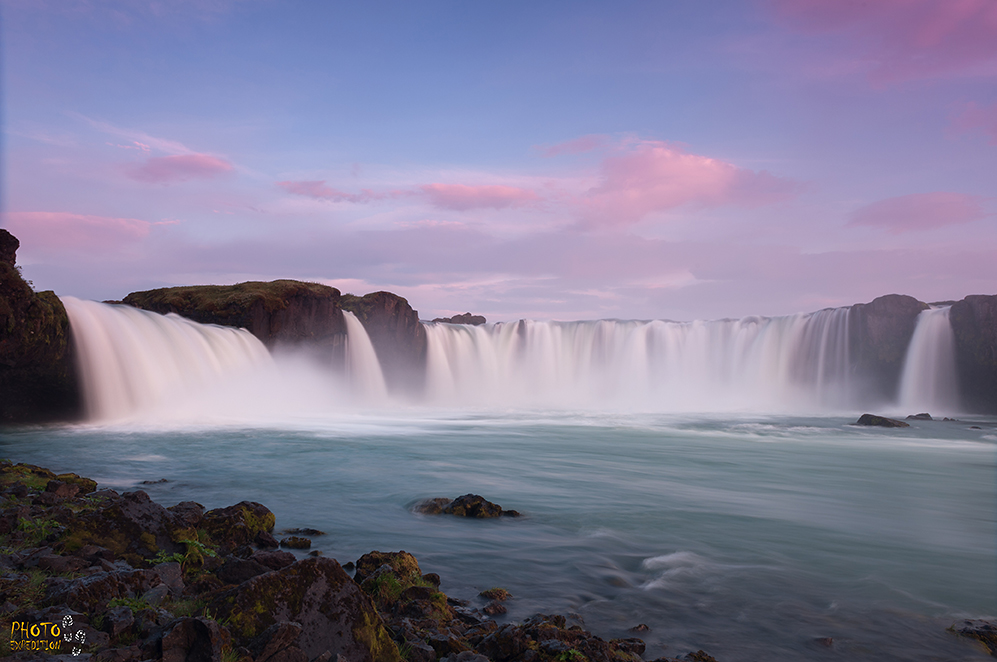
132	359
363	370
928	382
782	363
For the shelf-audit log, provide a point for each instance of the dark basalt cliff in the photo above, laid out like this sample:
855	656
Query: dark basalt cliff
398	336
974	325
37	372
279	312
879	334
288	312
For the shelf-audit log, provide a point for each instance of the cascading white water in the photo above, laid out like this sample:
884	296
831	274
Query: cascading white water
132	359
362	367
800	361
928	383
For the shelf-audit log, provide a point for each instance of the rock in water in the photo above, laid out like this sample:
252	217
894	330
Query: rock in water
469	505
983	631
880	421
466	318
920	417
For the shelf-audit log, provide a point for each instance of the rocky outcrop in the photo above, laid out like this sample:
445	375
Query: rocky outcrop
879	334
278	312
466	318
880	421
974	325
469	505
397	335
37	372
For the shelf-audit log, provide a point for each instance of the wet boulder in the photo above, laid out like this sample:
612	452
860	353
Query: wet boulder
982	630
469	505
880	421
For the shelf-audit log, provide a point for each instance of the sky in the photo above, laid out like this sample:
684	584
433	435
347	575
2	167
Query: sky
670	159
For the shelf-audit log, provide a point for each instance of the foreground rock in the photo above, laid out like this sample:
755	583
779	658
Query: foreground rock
880	421
37	373
469	505
332	613
466	318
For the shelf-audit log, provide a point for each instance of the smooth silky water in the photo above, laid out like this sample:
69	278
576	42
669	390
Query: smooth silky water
748	535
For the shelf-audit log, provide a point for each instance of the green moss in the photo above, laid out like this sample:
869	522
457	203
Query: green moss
34	477
230	305
256	524
134	604
149	541
374	637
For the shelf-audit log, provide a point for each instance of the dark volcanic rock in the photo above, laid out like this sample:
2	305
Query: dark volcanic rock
880	421
466	318
131	525
469	505
974	325
920	417
879	333
983	631
38	380
281	311
402	564
239	524
296	542
194	640
333	612
398	336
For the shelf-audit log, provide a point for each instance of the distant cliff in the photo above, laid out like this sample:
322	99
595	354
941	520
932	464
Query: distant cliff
38	380
974	325
280	312
879	333
399	338
289	312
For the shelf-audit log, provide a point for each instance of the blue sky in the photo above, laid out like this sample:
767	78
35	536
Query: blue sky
553	160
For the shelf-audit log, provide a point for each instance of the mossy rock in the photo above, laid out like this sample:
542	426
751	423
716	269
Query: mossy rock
131	525
86	485
334	613
404	565
238	525
33	476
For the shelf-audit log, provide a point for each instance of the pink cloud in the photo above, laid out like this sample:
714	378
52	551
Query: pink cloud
576	146
648	176
979	117
319	191
908	38
76	232
462	197
920	211
179	167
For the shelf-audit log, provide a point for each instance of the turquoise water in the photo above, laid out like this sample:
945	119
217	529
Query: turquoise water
748	537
